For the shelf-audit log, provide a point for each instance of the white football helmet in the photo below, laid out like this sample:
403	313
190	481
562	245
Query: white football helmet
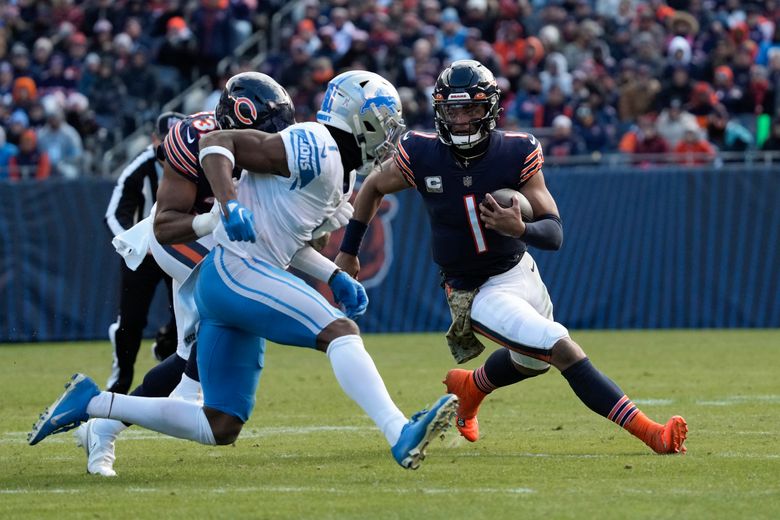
368	106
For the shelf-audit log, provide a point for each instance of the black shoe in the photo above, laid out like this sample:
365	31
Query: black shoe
164	342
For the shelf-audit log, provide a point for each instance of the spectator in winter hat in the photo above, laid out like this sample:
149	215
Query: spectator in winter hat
564	143
20	59
25	92
42	49
77	51
693	149
673	121
17	124
62	144
29	163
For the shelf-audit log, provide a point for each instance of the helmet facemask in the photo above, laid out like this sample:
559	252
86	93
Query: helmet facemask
383	129
466	124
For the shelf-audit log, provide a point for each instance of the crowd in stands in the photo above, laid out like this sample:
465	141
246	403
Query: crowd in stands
691	77
682	78
76	76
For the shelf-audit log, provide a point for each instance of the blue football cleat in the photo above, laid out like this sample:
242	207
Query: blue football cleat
68	411
409	451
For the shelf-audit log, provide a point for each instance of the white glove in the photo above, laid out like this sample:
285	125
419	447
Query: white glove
336	221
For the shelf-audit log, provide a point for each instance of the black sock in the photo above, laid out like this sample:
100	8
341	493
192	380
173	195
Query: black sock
191	370
499	370
162	378
597	391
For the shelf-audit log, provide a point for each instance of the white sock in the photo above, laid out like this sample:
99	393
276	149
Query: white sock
108	428
173	417
188	389
360	380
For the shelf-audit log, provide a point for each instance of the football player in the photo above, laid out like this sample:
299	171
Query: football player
244	295
493	284
183	223
133	197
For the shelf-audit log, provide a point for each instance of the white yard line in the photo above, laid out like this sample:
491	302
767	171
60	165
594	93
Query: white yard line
732	400
138	433
292	489
653	402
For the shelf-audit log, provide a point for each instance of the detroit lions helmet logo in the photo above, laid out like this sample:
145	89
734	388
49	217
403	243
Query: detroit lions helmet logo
381	99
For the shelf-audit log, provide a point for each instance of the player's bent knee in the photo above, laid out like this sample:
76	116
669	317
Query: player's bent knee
565	353
527	365
224	427
336	329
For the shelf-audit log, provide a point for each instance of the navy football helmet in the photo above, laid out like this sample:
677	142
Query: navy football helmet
465	86
254	100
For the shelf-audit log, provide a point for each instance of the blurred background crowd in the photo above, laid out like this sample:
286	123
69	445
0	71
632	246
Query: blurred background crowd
675	80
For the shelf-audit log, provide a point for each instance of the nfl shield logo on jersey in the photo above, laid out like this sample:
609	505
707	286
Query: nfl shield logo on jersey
467	181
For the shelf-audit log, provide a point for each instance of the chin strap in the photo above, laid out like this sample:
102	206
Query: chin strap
468	143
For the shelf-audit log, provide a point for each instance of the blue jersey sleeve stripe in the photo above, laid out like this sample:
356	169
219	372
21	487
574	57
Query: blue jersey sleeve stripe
313	141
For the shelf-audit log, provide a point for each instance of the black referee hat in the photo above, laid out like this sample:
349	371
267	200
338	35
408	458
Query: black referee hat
166	121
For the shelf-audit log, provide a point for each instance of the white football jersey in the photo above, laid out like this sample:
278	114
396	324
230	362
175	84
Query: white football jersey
288	209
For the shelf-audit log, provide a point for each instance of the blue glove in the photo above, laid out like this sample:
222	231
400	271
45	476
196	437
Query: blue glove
349	293
239	222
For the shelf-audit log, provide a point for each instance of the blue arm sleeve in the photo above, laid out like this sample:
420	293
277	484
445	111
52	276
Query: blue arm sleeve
544	233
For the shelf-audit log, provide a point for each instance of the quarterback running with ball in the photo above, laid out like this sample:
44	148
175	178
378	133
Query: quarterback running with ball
493	284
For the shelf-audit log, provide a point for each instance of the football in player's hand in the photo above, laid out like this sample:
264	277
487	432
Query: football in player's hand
504	198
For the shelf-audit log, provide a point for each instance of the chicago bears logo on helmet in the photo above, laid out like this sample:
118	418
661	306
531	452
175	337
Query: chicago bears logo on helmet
250	110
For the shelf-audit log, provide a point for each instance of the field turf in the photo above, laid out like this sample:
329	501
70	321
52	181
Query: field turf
309	452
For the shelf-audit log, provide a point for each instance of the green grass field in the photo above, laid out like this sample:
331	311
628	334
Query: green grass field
309	452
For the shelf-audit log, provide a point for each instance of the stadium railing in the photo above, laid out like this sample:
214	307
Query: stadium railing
253	49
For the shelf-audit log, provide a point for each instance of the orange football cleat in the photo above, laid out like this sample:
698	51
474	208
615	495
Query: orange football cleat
671	438
461	383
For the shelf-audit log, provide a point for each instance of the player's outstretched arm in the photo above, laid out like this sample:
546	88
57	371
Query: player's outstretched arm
173	221
382	181
251	150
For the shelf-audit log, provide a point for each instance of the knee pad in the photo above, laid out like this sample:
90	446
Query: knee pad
528	362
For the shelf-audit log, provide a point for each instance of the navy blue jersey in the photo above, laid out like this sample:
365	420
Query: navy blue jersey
467	253
181	153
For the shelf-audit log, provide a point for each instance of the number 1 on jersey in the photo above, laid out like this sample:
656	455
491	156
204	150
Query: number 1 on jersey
476	228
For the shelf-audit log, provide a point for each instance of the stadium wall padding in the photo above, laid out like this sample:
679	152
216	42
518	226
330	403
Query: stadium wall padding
642	249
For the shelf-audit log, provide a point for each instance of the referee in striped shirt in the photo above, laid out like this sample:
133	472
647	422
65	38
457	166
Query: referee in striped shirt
132	199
